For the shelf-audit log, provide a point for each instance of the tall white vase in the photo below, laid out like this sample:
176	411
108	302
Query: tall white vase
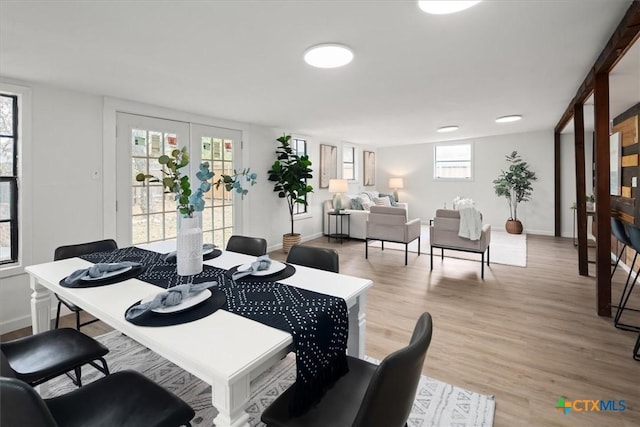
189	246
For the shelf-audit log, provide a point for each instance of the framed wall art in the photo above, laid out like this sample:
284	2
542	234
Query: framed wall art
328	164
369	168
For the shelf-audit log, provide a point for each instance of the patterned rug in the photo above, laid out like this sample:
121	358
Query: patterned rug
436	404
508	249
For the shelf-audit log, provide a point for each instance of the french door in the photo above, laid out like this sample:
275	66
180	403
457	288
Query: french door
145	213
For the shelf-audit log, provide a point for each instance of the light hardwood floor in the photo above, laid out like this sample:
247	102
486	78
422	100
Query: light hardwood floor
526	335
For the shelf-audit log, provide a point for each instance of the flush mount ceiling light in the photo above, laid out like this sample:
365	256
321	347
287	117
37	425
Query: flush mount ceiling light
447	129
509	119
442	7
328	55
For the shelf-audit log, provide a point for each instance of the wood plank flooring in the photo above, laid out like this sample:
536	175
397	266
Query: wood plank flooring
526	335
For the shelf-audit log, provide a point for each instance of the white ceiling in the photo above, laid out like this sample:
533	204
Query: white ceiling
242	60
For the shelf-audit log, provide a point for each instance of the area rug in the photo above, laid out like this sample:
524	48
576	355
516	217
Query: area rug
508	249
436	403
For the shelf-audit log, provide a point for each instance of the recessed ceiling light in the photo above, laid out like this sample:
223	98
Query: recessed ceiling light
442	7
447	129
509	119
328	55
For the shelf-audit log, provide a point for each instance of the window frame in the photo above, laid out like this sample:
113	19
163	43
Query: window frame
470	160
24	181
12	179
353	163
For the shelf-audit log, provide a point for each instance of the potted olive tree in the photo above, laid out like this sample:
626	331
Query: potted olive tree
514	184
290	173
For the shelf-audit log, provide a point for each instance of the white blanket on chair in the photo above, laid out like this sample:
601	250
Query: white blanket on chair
470	223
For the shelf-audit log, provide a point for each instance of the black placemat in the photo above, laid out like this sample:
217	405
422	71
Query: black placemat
134	272
288	271
209	306
211	255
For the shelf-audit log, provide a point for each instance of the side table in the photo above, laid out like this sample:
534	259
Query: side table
339	228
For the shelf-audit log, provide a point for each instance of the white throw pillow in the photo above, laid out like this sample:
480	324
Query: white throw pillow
382	201
366	204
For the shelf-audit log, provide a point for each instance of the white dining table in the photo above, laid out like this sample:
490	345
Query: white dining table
223	349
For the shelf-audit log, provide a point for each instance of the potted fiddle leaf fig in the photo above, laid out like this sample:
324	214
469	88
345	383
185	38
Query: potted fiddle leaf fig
290	173
514	184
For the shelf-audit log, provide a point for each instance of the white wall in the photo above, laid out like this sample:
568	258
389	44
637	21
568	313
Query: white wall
568	184
425	195
66	204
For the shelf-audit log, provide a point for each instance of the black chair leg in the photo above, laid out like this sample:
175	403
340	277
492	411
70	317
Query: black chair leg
482	268
636	349
622	307
58	314
431	258
406	252
617	261
78	320
366	249
488	254
418	246
442	253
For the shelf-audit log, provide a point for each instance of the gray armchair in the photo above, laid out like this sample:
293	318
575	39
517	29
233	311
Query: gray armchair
444	235
389	224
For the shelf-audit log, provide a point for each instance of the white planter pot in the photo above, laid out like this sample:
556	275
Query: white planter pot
189	246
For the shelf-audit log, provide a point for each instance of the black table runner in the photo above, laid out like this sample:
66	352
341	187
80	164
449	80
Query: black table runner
318	323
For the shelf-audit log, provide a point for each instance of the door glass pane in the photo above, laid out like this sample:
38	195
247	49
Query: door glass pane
139	142
139	229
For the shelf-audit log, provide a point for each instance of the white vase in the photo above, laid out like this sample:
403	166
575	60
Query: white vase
189	246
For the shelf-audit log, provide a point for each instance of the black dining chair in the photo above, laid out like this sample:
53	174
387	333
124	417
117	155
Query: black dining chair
618	230
368	395
634	239
38	358
309	256
255	246
124	399
70	251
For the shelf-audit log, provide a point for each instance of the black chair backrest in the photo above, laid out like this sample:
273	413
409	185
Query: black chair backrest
255	246
309	256
634	236
22	405
70	251
5	369
617	228
393	387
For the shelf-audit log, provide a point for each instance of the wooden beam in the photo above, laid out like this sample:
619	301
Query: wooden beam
620	41
603	215
581	196
557	190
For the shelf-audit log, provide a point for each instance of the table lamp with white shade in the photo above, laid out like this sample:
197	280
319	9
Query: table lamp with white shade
338	186
396	183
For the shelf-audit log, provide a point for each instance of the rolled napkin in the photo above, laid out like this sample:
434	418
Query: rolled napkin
172	256
172	296
98	270
261	263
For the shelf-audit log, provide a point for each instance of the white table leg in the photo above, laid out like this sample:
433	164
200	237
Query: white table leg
40	307
357	328
231	401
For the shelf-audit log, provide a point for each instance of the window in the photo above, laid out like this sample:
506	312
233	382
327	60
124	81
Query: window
8	178
452	161
299	147
348	162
